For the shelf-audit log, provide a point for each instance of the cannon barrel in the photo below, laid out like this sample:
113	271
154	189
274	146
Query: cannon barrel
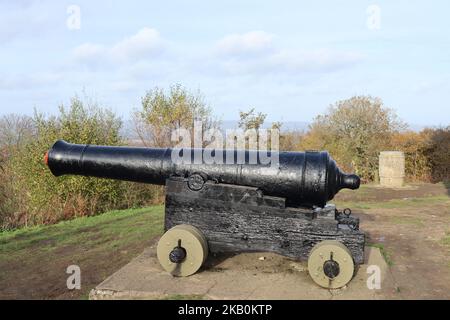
304	178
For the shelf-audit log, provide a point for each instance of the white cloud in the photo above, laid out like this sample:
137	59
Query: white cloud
145	59
23	20
146	43
256	53
290	62
314	60
29	81
138	57
253	42
89	52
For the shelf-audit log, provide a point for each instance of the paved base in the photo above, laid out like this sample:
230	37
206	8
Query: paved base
243	276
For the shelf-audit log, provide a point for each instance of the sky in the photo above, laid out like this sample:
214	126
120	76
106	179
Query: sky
289	59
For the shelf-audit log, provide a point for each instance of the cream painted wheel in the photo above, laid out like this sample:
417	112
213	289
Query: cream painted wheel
330	264
182	250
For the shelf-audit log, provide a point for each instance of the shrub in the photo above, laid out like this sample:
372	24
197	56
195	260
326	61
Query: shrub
354	131
417	167
437	151
15	131
47	199
162	112
427	153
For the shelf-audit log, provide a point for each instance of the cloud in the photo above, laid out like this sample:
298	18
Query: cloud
147	56
290	61
146	43
256	53
313	60
29	81
23	19
253	42
89	52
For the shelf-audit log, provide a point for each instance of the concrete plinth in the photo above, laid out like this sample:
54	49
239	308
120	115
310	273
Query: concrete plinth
243	276
392	168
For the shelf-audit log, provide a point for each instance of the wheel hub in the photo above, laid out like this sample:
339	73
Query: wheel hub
331	269
177	255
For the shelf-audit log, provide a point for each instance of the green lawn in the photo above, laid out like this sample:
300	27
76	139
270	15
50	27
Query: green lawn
384	252
99	245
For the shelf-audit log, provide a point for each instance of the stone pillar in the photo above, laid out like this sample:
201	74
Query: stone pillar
392	168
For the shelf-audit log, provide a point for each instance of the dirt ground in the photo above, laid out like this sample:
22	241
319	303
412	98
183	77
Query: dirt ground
414	236
376	193
411	226
33	262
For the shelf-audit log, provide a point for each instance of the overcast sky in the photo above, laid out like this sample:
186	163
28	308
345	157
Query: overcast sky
290	59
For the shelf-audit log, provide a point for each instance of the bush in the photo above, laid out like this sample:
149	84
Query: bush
45	199
163	112
427	153
354	131
15	131
417	167
437	151
291	140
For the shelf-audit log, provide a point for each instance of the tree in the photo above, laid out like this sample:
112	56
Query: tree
163	112
354	131
437	151
46	199
251	120
15	130
290	140
413	144
251	123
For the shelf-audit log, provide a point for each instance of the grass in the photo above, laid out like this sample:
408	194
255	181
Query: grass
99	245
384	252
412	221
447	184
111	229
396	203
446	239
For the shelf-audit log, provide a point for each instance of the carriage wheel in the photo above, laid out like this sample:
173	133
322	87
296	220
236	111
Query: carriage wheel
182	250
330	264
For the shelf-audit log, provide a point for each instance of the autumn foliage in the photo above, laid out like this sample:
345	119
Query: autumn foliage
355	130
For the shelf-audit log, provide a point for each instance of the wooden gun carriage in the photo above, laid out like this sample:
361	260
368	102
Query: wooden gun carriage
237	207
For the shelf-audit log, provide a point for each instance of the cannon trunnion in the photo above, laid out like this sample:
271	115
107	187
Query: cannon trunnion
237	207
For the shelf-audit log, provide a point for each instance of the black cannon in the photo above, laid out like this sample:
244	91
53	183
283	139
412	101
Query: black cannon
236	201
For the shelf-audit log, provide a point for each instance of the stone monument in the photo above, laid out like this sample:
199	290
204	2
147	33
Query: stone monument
392	168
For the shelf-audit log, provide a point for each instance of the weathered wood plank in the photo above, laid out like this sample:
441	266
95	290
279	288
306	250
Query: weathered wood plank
240	219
